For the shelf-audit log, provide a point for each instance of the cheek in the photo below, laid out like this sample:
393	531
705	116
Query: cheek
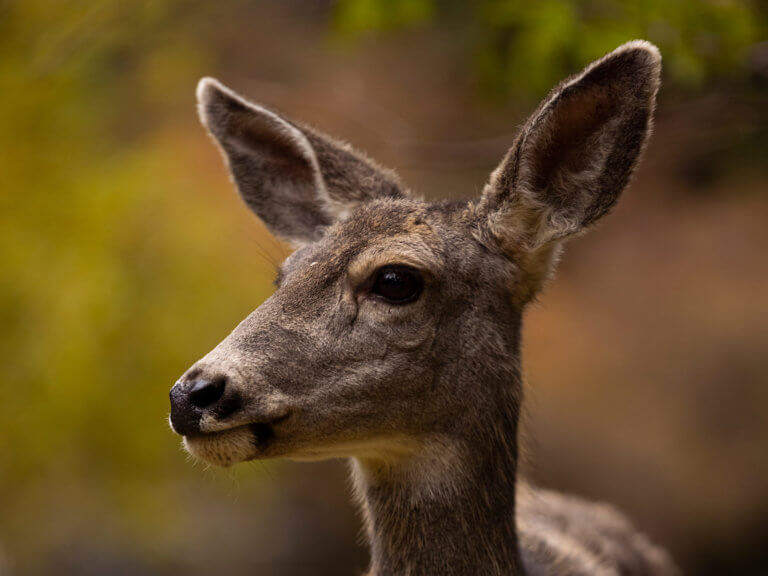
364	347
406	328
411	338
413	333
343	317
382	344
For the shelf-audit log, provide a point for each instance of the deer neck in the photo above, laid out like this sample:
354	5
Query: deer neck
450	508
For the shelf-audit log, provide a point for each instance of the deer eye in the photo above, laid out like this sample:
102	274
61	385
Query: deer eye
397	284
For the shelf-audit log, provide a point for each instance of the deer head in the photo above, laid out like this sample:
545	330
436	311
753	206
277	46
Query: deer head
395	325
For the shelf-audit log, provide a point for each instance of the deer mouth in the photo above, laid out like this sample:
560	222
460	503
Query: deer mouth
239	443
263	432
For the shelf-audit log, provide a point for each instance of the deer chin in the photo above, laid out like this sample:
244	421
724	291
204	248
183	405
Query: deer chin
227	447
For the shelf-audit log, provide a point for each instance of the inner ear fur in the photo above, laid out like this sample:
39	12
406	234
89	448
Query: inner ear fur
295	179
573	158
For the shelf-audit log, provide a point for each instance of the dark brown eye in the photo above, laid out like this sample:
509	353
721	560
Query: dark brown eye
397	284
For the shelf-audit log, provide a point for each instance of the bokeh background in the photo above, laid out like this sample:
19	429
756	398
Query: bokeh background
125	256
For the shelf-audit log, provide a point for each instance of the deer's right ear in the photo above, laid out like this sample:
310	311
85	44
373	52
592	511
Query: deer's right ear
294	179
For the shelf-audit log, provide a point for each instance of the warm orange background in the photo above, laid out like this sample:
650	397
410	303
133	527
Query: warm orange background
125	256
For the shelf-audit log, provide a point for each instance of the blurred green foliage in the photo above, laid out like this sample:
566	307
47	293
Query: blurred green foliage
103	229
524	47
357	16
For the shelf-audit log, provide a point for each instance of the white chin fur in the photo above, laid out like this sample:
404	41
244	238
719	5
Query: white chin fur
222	448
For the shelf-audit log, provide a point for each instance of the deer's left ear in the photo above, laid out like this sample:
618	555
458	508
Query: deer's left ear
572	158
296	180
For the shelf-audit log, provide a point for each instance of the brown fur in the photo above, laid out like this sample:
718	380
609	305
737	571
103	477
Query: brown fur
423	397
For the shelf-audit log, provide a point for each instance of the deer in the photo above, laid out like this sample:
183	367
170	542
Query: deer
392	338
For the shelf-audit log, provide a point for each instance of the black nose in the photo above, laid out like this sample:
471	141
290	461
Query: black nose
203	393
190	399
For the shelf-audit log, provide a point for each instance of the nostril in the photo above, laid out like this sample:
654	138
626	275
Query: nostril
203	393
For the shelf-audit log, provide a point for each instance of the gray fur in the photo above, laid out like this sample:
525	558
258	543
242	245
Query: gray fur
424	398
296	180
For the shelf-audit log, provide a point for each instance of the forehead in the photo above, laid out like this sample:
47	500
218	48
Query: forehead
379	226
